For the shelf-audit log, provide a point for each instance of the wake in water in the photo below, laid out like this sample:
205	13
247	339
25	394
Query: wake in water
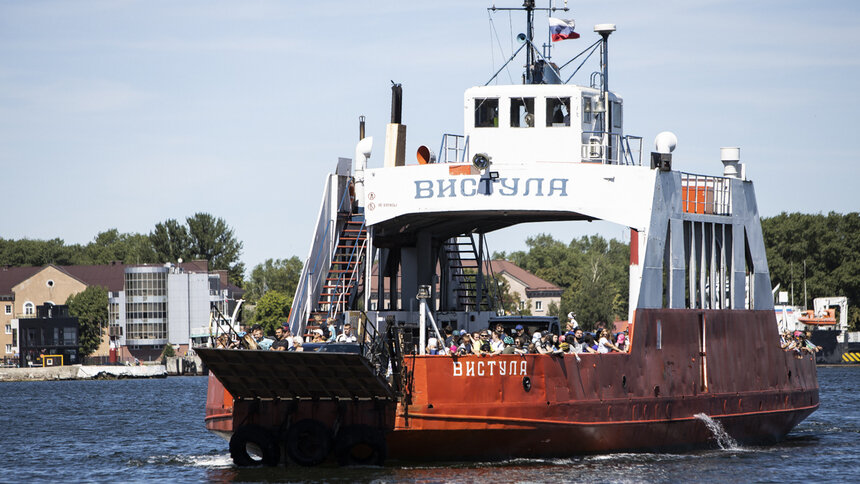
724	440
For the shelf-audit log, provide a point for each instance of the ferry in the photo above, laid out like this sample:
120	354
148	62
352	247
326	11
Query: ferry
704	340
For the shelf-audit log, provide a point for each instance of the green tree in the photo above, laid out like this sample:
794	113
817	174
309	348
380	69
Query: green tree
168	352
90	306
281	275
829	248
212	239
272	310
29	252
111	245
171	241
509	299
592	272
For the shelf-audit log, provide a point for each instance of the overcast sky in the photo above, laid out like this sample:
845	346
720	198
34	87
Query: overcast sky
124	113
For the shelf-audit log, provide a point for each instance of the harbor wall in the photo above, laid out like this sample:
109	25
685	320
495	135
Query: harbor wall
81	372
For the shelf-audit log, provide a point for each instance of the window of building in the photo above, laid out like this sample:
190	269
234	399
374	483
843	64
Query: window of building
49	283
8	329
486	113
29	308
8	309
558	111
538	305
8	349
522	112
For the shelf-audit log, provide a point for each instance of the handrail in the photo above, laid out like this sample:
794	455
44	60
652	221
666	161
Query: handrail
459	152
320	254
334	307
706	194
609	148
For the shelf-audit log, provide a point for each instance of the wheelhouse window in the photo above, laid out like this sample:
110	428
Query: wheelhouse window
486	113
522	112
557	111
616	115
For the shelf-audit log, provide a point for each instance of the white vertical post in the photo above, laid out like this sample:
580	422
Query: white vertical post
422	325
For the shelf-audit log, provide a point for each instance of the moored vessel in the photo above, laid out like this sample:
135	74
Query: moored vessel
399	253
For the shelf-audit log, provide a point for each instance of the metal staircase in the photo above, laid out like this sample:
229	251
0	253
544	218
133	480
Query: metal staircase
347	261
473	289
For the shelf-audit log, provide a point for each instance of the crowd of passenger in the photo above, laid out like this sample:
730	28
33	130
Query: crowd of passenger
492	341
283	339
798	342
497	341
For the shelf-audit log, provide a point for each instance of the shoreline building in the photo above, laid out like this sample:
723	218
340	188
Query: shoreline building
532	293
149	305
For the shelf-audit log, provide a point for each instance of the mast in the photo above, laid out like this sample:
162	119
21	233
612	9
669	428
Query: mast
532	65
529	6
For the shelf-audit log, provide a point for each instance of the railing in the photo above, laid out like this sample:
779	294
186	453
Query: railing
453	148
316	266
611	148
709	195
339	304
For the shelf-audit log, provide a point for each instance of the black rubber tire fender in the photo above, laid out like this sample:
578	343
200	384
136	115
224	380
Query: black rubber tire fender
308	442
360	445
262	438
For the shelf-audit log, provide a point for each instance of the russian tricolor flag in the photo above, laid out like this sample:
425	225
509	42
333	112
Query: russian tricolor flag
561	29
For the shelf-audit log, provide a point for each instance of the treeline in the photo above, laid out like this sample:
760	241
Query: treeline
592	272
828	246
202	236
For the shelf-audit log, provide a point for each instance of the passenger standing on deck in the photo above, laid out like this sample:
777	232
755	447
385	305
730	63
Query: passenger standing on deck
297	344
509	346
347	336
622	342
283	339
466	347
520	332
486	349
476	343
332	332
496	343
432	346
262	342
603	344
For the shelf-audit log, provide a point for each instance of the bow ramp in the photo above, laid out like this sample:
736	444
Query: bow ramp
253	374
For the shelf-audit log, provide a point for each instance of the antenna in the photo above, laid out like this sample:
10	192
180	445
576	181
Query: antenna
534	74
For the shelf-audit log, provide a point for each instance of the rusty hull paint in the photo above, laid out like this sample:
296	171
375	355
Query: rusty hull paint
642	400
219	408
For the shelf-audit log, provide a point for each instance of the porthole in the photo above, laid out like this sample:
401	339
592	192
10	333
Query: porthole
527	383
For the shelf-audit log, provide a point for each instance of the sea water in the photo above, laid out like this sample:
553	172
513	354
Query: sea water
152	430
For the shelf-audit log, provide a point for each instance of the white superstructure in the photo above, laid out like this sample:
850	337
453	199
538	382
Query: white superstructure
529	153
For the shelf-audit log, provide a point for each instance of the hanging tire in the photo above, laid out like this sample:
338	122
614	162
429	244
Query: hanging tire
308	442
258	436
360	445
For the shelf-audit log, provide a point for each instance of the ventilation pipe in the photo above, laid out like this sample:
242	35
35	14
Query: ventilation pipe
732	167
362	154
395	134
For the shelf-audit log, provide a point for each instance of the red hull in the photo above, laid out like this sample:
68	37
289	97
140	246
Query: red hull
725	364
